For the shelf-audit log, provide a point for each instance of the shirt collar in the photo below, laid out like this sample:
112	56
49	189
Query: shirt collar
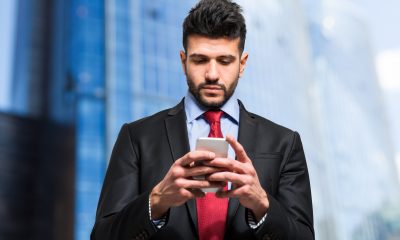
194	109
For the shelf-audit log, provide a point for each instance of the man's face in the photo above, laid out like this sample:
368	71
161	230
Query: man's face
212	68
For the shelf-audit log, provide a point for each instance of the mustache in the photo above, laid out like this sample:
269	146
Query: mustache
205	84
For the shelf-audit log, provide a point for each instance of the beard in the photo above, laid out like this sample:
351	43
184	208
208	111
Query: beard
195	90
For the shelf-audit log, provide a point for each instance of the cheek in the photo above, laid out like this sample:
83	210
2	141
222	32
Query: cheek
195	74
230	75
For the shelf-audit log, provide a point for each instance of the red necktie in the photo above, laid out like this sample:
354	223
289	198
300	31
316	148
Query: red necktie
212	211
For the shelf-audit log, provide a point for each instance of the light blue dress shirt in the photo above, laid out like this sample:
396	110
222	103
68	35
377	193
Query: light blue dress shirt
197	125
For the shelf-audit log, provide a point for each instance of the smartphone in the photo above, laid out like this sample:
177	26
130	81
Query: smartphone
219	146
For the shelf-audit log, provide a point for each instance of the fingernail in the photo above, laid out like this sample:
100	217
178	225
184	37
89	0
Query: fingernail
212	155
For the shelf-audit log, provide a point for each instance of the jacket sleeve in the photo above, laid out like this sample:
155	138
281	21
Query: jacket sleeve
290	213
122	212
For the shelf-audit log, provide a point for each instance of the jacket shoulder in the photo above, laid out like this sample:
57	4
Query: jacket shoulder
149	120
264	122
156	122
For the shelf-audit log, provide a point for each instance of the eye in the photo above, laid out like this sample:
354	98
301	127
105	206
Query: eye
226	60
198	60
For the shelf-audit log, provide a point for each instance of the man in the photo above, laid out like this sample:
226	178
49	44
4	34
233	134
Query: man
151	190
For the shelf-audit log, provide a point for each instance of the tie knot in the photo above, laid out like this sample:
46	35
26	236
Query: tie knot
213	116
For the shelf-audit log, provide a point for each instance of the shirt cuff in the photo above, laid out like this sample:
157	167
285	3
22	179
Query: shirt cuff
251	219
158	223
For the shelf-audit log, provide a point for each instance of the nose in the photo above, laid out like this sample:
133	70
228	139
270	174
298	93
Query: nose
212	74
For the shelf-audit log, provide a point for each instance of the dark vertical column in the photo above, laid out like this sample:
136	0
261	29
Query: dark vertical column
36	179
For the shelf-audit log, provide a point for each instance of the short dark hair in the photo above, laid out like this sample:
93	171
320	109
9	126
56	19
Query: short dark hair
215	19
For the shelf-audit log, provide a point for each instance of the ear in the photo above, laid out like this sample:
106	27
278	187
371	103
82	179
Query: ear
243	61
182	54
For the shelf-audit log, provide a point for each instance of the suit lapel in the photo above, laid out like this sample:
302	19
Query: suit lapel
175	125
247	131
178	140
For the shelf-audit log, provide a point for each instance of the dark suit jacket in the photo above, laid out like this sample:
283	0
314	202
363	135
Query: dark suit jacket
144	152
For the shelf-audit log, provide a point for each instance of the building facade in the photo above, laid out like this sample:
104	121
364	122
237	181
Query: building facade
358	145
86	75
37	128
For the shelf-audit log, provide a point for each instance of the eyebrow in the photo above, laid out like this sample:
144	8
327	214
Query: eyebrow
196	55
228	57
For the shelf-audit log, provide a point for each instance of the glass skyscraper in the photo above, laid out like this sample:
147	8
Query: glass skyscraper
144	72
86	73
359	153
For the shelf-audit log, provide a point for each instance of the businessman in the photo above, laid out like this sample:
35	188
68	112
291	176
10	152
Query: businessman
152	190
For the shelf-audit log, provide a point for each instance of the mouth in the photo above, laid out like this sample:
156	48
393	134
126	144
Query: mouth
211	87
212	92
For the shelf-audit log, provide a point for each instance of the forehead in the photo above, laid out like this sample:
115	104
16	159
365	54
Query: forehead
212	46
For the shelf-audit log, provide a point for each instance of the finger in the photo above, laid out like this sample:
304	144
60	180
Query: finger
194	156
238	148
229	165
186	194
200	170
237	179
233	193
197	183
232	166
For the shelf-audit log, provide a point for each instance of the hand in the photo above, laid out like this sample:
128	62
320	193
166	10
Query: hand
178	185
241	173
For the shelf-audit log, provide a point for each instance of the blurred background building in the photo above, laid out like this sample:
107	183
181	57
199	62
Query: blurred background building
37	150
355	125
72	72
